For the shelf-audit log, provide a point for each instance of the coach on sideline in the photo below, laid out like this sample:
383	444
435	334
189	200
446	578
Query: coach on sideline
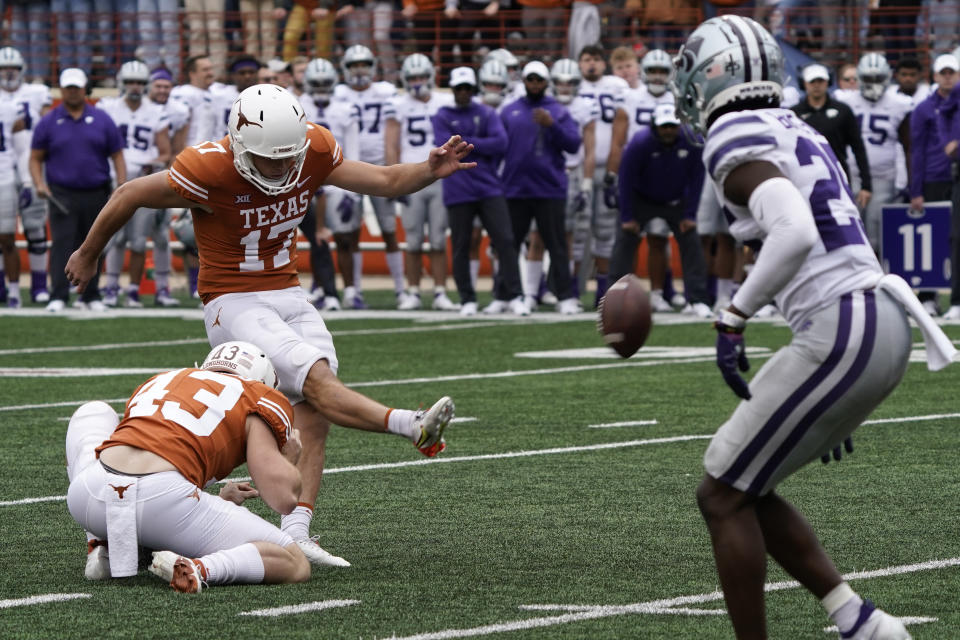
74	141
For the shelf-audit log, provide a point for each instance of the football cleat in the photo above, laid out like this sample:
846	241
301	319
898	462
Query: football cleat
55	306
317	555
519	307
13	303
568	307
331	303
931	307
953	313
356	302
468	309
164	299
657	303
111	295
98	561
185	575
443	303
699	310
432	424
408	301
497	306
132	299
875	624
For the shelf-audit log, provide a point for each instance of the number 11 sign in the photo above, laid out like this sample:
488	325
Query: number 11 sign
916	244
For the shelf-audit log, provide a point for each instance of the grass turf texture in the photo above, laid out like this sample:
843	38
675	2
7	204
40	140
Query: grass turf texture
464	544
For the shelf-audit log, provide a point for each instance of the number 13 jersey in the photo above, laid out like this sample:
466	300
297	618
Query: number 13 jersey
247	239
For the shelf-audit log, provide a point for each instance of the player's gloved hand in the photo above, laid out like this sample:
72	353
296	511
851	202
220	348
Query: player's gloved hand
732	351
345	208
611	195
26	196
837	454
582	200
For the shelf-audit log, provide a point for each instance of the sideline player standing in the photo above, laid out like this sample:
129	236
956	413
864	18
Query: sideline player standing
782	184
248	193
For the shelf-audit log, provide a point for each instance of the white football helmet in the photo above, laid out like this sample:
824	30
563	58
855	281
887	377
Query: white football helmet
358	77
874	73
11	68
493	78
243	359
320	78
565	78
417	75
510	61
727	60
268	121
133	71
656	71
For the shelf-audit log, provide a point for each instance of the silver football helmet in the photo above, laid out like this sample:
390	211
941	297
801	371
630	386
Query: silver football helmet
656	71
243	359
726	60
268	121
873	72
565	78
510	61
417	75
493	78
134	72
359	76
11	68
320	78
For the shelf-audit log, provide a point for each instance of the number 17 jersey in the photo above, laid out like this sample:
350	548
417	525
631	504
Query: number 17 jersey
842	261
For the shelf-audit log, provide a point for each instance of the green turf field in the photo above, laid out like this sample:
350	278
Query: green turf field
541	520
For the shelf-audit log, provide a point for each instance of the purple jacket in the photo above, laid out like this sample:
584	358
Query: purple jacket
928	162
670	175
479	125
534	166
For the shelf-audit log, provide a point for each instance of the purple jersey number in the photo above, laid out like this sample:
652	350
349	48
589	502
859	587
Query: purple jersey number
833	234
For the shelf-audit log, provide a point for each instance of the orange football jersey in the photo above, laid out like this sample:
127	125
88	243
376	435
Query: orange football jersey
247	241
196	420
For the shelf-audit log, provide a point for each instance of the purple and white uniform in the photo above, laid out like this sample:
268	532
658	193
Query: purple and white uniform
851	342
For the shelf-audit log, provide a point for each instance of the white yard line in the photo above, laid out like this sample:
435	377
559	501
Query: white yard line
299	608
43	599
936	416
591	612
629	423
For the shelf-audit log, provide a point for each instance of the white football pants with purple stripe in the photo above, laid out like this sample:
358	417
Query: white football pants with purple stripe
814	392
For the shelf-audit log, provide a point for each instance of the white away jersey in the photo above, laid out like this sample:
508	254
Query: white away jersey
639	104
340	119
921	94
224	95
203	115
416	129
31	99
879	122
608	92
842	261
138	130
9	114
177	115
583	111
369	106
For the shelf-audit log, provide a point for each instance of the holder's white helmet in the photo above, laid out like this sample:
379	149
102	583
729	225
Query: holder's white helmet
726	60
133	71
417	65
268	121
243	359
358	77
565	77
874	73
493	73
654	61
320	78
11	68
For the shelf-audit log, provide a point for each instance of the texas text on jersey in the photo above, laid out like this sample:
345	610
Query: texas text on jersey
245	237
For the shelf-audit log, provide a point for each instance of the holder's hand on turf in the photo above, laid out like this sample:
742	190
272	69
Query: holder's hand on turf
837	453
732	351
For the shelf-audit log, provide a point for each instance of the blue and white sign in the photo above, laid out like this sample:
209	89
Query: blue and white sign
916	244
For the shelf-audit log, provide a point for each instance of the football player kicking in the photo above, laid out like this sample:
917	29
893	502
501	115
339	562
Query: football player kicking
248	192
139	481
783	185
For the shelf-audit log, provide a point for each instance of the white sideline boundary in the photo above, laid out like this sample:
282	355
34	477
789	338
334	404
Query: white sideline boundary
276	612
579	613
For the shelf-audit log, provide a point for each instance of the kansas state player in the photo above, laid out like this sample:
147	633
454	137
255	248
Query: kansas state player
146	134
782	184
339	209
884	120
369	99
33	101
514	84
10	124
408	134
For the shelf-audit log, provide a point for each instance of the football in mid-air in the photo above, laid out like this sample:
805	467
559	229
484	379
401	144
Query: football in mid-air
624	318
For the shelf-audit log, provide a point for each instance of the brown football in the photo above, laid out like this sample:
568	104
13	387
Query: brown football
624	317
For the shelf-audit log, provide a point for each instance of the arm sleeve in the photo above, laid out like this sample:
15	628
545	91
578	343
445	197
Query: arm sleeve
851	132
784	214
632	164
276	411
694	186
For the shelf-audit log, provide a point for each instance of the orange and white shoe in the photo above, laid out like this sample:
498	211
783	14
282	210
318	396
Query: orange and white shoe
432	424
98	561
185	575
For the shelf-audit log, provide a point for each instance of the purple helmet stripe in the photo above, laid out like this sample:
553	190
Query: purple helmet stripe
747	71
764	64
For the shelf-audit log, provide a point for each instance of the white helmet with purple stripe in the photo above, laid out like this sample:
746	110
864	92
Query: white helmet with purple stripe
727	60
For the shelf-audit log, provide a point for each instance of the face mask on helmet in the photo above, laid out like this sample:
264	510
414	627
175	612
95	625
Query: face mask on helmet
565	90
133	90
657	80
321	90
492	93
243	359
10	78
872	86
